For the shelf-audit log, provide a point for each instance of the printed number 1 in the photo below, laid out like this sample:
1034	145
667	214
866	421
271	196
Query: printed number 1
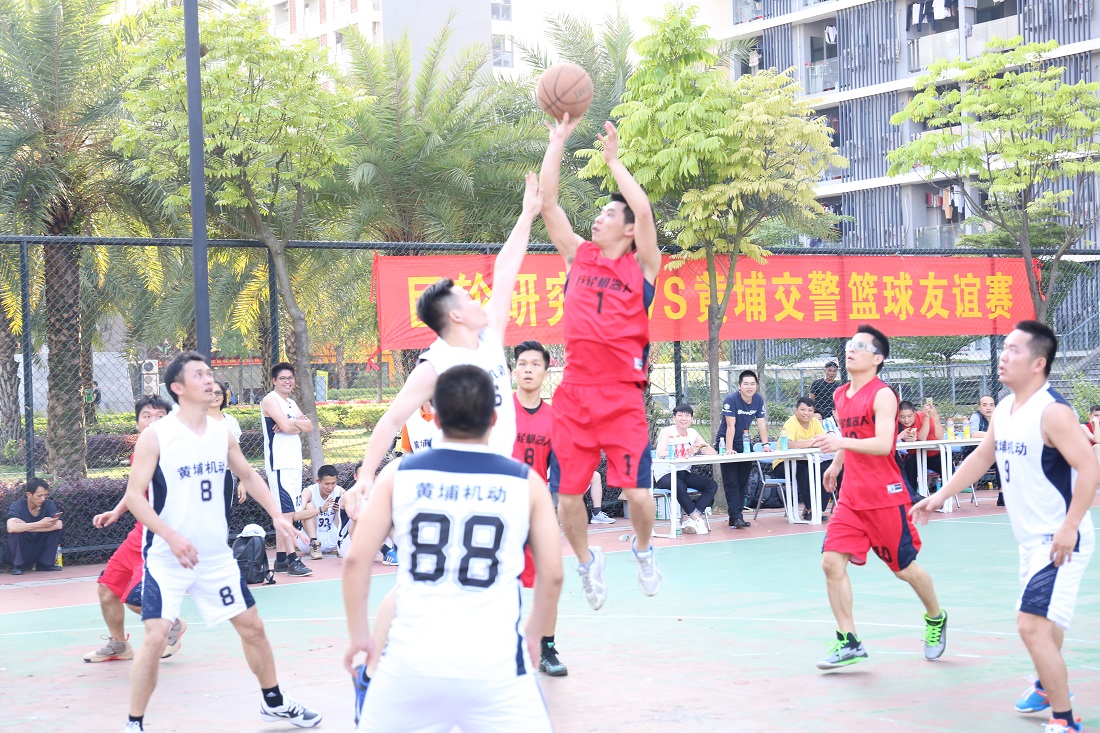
626	459
599	302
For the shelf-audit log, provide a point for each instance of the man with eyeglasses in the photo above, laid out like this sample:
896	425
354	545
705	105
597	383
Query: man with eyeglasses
872	513
283	425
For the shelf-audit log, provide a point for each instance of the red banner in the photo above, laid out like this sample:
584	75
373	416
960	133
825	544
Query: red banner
805	296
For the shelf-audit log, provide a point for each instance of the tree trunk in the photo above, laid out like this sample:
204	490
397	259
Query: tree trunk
762	387
66	441
340	376
300	331
714	326
9	384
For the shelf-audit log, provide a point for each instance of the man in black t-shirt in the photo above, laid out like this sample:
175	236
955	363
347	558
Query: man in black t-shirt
34	529
739	411
821	391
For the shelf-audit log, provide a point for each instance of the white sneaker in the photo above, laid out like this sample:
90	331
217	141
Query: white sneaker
174	633
690	526
701	527
595	588
290	712
601	518
649	577
132	726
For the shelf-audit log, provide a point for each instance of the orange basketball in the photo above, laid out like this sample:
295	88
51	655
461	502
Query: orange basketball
564	88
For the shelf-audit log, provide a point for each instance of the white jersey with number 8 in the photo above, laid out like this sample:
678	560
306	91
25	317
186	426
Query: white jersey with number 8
461	516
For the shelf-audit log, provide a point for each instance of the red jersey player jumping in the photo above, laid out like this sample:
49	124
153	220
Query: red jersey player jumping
873	510
610	285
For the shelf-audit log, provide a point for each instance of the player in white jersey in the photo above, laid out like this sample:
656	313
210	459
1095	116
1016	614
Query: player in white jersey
1049	475
322	528
182	460
283	425
460	514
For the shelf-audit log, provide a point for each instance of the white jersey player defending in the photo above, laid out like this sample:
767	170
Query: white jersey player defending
461	515
1048	474
182	461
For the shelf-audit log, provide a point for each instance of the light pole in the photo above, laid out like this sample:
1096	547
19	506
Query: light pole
195	140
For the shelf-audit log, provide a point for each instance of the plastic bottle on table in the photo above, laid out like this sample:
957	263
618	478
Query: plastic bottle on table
966	430
746	444
722	447
671	451
951	429
783	444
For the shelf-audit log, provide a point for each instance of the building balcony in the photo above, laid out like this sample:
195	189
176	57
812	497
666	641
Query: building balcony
926	49
822	76
946	236
1003	28
747	10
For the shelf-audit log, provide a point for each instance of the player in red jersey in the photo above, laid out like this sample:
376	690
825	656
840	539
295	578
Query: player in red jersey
120	582
873	511
534	423
610	285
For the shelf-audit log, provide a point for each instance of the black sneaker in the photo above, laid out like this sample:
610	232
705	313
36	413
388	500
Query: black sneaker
281	566
846	650
550	664
298	569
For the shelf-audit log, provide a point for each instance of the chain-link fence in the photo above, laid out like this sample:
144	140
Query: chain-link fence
100	319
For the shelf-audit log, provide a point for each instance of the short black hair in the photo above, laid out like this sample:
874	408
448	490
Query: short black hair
175	367
35	484
225	394
434	303
1094	408
878	340
906	405
464	402
747	373
684	407
326	470
804	401
282	366
1044	344
532	345
832	364
150	400
628	213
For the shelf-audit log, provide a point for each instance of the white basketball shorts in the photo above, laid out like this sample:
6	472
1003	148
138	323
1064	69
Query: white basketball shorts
1048	591
215	585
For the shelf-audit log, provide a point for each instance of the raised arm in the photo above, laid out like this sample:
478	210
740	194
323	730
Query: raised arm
510	258
418	389
645	229
561	232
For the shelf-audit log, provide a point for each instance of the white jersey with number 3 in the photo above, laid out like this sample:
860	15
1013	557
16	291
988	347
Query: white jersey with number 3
1037	480
461	516
489	355
328	523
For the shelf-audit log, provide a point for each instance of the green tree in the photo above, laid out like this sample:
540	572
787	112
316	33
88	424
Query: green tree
1019	142
273	119
730	154
61	84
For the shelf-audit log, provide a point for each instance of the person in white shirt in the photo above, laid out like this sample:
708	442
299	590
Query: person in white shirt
319	504
685	442
1048	474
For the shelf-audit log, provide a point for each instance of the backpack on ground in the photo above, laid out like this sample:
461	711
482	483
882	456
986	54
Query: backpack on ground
251	555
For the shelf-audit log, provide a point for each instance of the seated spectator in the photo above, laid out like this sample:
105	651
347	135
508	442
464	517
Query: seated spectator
979	421
686	441
34	529
915	425
801	428
322	527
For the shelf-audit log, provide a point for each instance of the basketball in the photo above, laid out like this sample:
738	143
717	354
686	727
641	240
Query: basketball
565	88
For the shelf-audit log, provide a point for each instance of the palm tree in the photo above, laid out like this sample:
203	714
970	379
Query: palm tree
61	84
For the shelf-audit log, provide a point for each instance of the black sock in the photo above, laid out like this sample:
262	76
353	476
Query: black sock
139	719
291	557
548	642
280	557
272	697
1066	716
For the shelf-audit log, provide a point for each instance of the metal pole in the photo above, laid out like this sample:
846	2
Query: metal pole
28	376
678	367
195	141
273	306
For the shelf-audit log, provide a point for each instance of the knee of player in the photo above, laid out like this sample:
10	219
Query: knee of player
833	564
1031	626
156	632
251	627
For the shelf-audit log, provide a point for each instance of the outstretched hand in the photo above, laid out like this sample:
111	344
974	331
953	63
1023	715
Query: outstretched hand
532	195
562	129
610	142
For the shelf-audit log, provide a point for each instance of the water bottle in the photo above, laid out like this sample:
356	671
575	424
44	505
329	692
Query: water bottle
746	445
671	451
722	447
966	430
783	439
951	429
58	560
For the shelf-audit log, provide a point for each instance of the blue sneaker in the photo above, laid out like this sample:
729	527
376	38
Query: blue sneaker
390	558
360	681
1057	725
1034	700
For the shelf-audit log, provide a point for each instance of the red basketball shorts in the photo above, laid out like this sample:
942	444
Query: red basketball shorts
608	417
124	571
887	531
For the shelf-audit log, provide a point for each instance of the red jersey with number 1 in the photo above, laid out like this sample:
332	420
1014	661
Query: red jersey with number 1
533	436
870	482
606	319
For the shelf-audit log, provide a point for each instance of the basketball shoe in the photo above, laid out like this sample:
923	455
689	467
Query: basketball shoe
1057	725
935	636
550	664
1034	699
291	712
649	577
601	517
298	569
847	649
111	651
178	627
595	587
315	550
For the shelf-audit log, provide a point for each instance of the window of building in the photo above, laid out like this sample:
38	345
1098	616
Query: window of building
307	10
377	5
502	9
280	13
376	33
338	41
995	10
503	52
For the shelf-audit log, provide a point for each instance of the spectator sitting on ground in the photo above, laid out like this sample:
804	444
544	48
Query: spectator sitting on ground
323	527
801	428
685	442
821	391
34	529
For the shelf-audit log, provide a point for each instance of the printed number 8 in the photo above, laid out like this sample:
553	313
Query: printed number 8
207	493
472	551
